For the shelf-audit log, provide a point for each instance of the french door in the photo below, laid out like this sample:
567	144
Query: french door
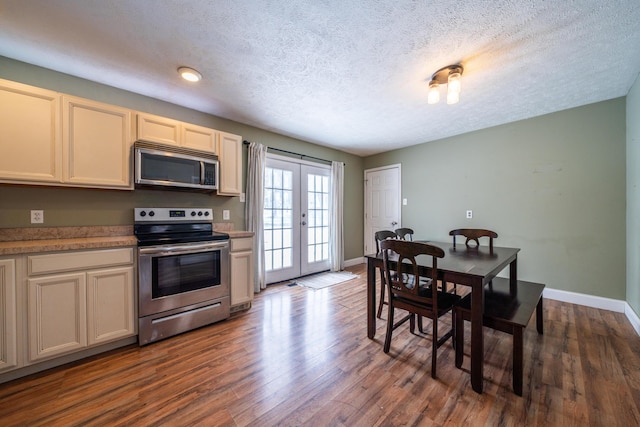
296	218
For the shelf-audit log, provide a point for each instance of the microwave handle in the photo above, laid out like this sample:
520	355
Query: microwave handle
201	172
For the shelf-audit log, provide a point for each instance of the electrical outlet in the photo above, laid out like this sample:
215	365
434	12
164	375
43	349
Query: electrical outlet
242	197
37	217
225	214
469	214
404	202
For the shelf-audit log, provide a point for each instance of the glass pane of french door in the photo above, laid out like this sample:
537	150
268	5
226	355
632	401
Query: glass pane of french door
315	207
281	220
296	219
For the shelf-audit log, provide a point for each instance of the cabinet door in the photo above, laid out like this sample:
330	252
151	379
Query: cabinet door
158	129
96	144
30	144
110	305
230	158
8	320
199	138
57	315
241	277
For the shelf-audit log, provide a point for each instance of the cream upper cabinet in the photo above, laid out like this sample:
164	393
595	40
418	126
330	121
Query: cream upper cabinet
54	139
158	129
173	132
242	274
97	142
199	138
8	316
30	137
230	158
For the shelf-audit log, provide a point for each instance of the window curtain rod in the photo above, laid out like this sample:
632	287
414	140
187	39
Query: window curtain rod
292	153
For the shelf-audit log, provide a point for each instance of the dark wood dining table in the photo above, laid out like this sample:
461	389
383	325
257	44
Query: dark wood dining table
469	266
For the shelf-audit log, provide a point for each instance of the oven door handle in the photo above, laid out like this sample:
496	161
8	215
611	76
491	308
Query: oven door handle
184	249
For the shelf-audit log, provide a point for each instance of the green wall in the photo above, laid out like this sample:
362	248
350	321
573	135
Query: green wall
75	207
553	186
633	198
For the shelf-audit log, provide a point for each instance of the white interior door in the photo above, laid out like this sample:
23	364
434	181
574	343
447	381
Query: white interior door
382	203
296	219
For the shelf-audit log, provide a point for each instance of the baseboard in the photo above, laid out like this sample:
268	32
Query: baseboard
633	317
619	306
355	261
586	300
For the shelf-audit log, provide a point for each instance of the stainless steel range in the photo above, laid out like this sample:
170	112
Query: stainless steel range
183	271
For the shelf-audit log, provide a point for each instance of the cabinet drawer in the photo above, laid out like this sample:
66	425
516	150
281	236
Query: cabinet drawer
242	244
69	261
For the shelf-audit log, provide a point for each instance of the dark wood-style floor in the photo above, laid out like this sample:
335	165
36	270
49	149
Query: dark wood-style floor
301	357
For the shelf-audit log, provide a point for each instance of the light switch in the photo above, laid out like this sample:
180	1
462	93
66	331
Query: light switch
404	202
225	214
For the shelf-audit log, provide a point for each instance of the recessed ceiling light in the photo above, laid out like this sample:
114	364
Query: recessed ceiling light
189	74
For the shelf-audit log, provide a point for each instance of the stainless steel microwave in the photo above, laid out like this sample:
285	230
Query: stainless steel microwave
164	166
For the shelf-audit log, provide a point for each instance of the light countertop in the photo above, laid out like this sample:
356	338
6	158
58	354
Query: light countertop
15	241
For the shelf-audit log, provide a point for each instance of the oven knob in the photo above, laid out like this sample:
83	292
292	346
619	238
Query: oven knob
199	213
152	213
193	213
143	213
206	213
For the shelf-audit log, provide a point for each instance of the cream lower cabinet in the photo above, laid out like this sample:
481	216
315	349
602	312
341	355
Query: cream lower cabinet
91	303
57	315
242	274
8	316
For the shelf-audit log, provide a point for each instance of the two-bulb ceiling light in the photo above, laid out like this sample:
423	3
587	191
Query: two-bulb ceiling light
449	75
189	74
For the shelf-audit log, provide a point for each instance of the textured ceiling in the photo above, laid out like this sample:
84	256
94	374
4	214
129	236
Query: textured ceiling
348	74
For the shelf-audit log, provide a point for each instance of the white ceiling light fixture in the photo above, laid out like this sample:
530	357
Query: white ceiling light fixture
449	75
189	74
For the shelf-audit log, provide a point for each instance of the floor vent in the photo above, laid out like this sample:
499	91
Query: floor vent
245	306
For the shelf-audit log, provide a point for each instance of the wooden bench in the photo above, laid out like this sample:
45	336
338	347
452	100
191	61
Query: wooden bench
507	312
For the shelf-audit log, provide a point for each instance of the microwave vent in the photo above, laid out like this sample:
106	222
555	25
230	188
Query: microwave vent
174	149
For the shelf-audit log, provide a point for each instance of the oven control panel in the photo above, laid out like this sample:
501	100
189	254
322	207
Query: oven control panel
172	214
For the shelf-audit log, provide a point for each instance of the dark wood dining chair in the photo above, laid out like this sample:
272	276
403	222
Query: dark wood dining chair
400	270
507	310
378	237
472	235
404	233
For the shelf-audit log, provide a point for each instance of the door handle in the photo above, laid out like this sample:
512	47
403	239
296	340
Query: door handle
394	223
304	222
